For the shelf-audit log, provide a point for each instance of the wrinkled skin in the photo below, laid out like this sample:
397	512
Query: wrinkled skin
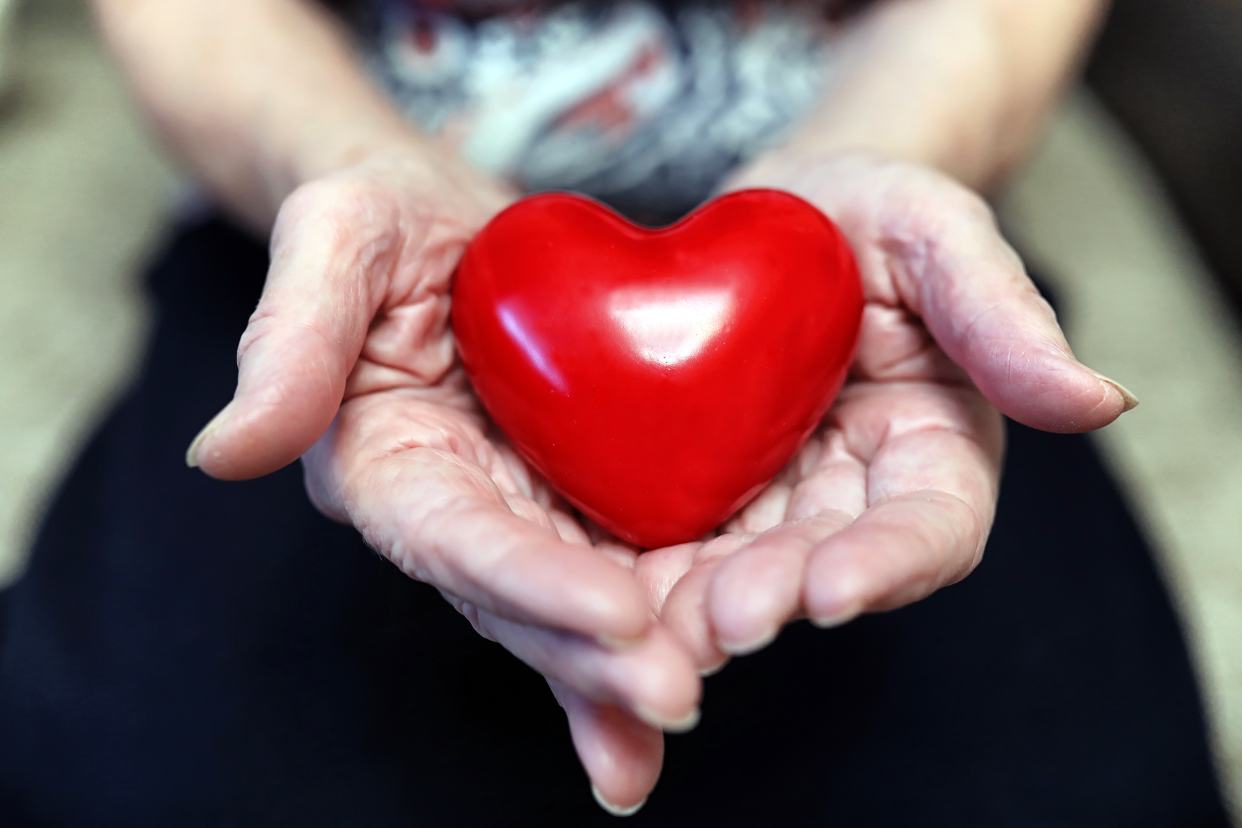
349	359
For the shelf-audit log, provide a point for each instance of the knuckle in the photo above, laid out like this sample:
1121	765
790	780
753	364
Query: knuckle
258	326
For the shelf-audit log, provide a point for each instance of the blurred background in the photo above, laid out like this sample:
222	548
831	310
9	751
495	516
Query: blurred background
1132	211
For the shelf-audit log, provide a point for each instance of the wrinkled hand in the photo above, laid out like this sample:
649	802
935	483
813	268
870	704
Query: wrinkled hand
894	495
349	361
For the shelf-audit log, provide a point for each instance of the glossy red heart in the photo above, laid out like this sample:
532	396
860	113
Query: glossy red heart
658	378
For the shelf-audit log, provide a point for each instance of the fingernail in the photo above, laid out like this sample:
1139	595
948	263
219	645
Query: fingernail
1127	397
753	646
687	723
619	645
714	668
191	454
827	622
616	810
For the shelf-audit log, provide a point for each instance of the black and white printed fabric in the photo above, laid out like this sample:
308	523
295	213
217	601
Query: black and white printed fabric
641	104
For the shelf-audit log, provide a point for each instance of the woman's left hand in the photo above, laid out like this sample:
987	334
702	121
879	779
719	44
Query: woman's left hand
893	497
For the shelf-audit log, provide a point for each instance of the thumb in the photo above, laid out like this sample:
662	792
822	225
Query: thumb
332	247
932	245
977	301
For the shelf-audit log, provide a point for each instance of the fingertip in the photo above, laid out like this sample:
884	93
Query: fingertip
621	645
899	552
599	598
590	602
616	810
475	546
745	612
849	572
834	593
684	615
622	756
1057	393
1129	402
758	589
751	596
831	622
683	724
243	441
746	646
193	454
1096	402
624	620
661	684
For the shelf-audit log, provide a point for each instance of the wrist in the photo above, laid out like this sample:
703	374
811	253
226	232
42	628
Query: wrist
326	140
322	145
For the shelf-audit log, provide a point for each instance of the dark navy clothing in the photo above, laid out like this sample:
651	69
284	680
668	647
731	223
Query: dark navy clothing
185	652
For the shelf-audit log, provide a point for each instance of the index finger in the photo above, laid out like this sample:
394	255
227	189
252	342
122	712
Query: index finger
442	520
933	465
927	243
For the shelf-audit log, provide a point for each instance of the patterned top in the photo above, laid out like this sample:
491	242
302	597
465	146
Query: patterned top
644	105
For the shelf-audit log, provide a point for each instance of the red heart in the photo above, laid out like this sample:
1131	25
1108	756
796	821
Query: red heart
658	378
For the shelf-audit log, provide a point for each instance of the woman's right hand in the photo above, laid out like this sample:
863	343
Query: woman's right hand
349	363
